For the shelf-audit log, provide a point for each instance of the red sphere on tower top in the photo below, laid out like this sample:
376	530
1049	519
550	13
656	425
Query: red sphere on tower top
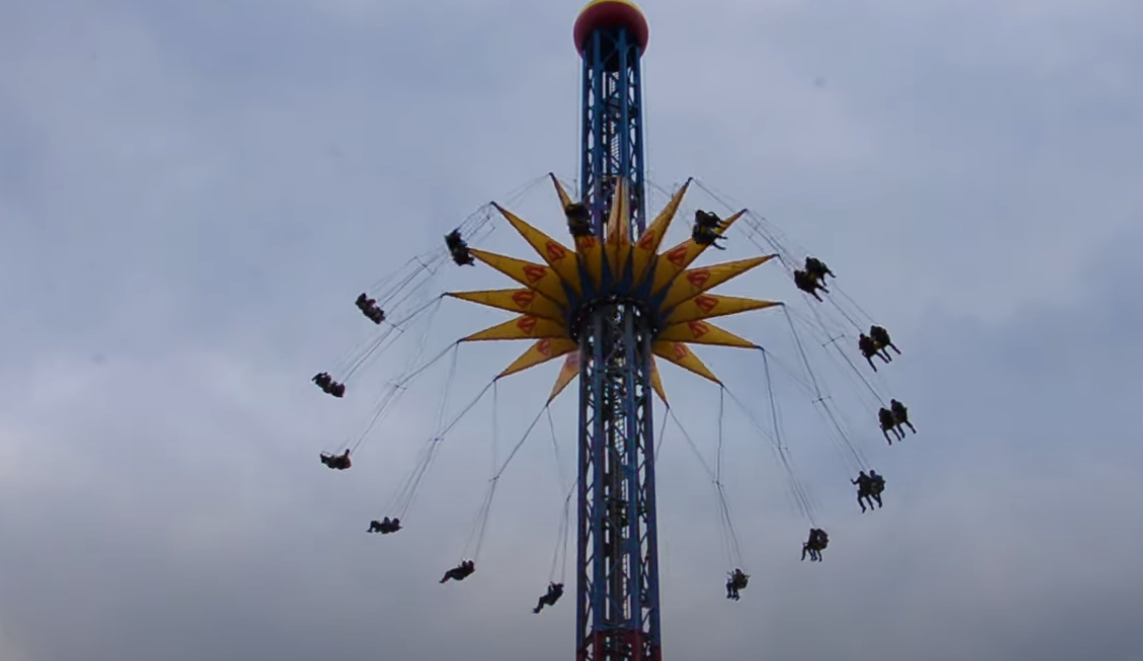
603	13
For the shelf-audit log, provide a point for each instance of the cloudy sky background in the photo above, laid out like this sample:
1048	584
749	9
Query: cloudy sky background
191	194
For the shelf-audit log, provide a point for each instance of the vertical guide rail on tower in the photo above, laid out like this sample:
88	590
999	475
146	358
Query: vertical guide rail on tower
612	131
617	579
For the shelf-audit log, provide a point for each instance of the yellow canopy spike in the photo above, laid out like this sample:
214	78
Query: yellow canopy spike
618	246
701	332
681	355
693	282
565	200
644	251
570	370
539	353
590	252
524	327
709	306
513	300
537	277
657	382
558	256
671	263
615	224
568	373
588	248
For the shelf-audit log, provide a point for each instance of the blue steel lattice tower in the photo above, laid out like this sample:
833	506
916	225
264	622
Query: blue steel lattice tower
617	583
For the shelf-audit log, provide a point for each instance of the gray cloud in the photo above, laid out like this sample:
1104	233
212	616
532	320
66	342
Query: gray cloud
191	196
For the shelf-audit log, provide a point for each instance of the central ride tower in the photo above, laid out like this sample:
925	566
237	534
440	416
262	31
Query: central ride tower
617	582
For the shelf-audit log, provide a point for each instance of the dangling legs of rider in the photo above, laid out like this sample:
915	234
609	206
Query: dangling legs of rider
869	358
731	589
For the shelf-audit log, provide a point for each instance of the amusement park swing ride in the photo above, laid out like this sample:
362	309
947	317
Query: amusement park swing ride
614	300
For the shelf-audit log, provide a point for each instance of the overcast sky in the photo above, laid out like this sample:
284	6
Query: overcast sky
192	193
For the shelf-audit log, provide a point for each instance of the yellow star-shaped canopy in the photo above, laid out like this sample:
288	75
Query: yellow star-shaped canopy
553	293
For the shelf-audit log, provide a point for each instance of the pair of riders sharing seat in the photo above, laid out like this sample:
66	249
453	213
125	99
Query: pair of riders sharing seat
811	279
369	308
337	462
458	249
706	231
817	543
737	580
579	220
874	344
385	526
328	385
869	488
891	420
